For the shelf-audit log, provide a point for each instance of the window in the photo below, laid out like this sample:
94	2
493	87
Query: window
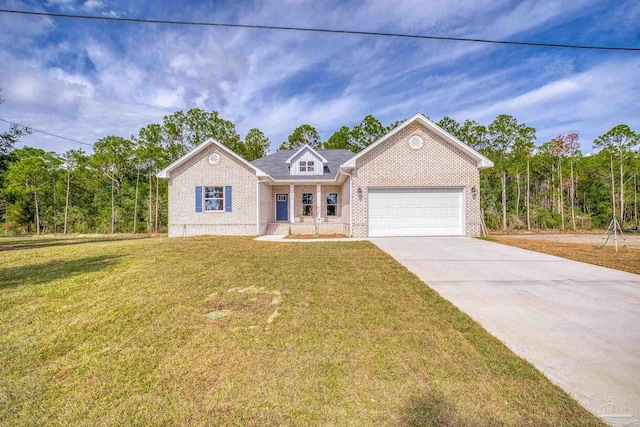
332	204
307	204
213	199
307	166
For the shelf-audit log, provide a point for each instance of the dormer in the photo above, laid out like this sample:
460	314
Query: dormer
306	161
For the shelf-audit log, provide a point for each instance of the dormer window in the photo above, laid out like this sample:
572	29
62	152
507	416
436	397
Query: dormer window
307	167
306	161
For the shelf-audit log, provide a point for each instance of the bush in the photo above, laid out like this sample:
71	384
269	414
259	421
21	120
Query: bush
544	219
11	229
493	219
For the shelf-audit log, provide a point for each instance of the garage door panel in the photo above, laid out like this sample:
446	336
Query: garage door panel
415	212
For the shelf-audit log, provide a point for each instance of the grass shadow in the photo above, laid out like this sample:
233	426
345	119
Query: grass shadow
45	272
431	408
12	244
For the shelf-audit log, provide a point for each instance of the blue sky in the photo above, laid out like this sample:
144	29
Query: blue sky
89	79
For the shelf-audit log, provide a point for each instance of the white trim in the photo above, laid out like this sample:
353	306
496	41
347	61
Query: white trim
319	202
257	207
306	170
324	161
327	204
302	204
463	214
165	173
481	161
304	182
204	198
292	199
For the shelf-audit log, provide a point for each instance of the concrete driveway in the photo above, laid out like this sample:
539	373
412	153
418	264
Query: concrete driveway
578	323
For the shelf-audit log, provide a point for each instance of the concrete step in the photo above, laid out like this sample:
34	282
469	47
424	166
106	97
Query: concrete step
277	228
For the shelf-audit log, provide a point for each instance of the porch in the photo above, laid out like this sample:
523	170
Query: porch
305	209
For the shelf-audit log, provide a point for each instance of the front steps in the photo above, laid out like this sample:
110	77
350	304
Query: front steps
278	228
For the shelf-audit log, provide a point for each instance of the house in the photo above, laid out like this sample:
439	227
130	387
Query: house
417	180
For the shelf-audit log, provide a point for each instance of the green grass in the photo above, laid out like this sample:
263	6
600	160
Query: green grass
114	332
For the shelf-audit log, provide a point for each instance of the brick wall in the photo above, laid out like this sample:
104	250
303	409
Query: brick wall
323	228
267	213
297	208
395	164
185	221
332	189
346	201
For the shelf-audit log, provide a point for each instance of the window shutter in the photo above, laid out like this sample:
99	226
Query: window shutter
198	199
227	198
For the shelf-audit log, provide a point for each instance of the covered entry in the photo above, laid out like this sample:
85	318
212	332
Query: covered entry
415	212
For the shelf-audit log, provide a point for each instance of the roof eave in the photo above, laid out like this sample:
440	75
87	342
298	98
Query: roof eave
481	161
485	164
166	172
324	161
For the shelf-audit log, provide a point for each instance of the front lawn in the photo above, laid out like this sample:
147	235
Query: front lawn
115	332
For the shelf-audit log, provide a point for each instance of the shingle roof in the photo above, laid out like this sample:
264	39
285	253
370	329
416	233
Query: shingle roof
275	166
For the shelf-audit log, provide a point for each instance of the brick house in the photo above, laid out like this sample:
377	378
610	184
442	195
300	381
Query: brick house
417	180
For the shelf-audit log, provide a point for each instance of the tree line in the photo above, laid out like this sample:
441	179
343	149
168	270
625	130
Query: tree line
113	189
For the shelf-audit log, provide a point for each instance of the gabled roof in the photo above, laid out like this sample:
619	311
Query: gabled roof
481	161
165	173
275	164
306	147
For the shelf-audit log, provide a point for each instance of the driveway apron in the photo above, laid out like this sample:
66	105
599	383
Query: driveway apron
578	323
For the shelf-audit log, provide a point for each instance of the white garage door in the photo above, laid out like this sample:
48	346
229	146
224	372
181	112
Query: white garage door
415	212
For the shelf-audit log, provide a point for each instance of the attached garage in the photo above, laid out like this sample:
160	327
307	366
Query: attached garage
415	212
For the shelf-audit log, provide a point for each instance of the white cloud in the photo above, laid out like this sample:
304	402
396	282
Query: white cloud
589	102
115	79
93	4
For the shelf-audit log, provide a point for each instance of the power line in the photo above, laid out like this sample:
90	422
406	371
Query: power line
322	30
45	132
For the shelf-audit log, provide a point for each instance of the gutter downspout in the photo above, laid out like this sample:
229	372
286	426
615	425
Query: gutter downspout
350	202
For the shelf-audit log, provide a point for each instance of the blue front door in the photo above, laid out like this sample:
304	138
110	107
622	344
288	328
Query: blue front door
282	207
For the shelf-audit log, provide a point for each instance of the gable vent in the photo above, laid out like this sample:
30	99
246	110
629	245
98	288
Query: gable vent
416	142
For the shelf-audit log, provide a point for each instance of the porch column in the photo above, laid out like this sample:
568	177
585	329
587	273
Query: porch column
319	203
292	201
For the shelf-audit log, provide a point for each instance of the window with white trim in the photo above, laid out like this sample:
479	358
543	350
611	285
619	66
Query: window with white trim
307	204
307	166
332	204
213	199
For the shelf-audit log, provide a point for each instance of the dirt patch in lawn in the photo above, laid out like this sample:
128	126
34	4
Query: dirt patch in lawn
243	307
581	247
316	236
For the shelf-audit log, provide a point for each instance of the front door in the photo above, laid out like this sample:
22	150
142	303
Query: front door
282	207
